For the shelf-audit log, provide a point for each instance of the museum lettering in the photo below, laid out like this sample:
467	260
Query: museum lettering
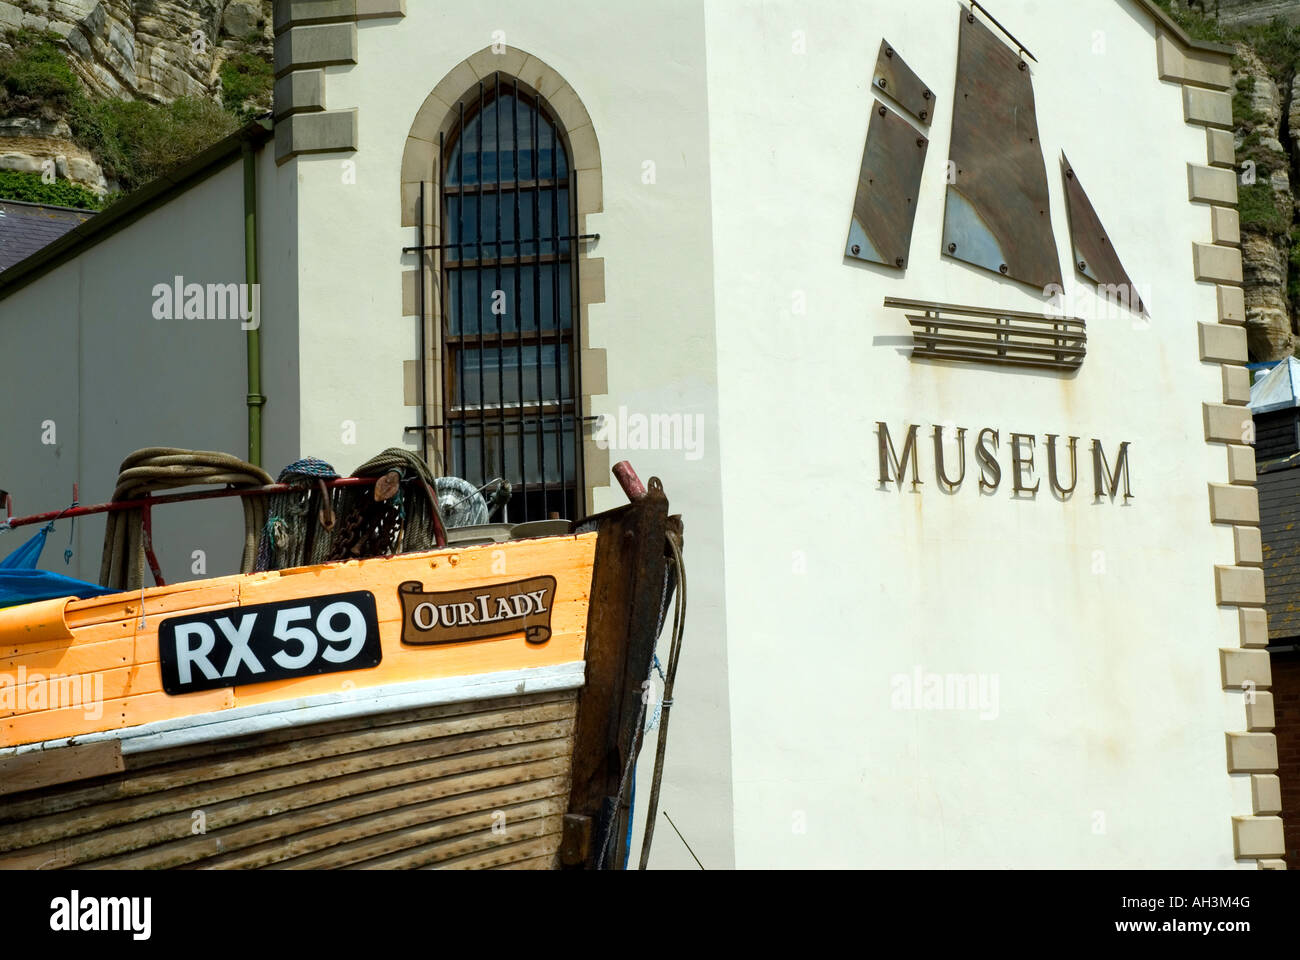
1022	460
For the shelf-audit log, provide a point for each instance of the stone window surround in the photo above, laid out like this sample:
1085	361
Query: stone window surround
437	115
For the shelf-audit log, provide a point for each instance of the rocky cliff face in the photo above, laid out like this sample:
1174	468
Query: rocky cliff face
156	50
1264	107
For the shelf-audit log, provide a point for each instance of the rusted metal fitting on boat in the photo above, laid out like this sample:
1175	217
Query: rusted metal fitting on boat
629	481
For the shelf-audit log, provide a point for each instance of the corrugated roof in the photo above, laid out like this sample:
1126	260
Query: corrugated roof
1279	389
1278	484
27	227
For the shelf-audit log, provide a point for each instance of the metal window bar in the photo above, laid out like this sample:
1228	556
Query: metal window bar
559	418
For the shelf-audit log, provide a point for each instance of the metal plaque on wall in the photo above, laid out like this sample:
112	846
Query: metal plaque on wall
1094	256
996	214
888	183
894	77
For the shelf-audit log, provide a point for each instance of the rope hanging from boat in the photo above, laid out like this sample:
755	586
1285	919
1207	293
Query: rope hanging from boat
403	521
666	701
300	523
166	468
677	571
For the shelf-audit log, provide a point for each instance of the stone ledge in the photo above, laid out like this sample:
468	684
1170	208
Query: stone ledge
302	133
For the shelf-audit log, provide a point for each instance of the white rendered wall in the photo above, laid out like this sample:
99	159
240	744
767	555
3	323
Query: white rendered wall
640	72
84	350
1108	746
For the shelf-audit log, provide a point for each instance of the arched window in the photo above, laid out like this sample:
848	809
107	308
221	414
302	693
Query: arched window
509	288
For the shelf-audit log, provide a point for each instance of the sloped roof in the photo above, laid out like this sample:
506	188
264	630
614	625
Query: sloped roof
1279	389
27	227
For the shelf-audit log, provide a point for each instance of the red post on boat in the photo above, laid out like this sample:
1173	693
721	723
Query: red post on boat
629	481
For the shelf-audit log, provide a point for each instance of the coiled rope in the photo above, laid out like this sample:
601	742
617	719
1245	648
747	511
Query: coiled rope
417	511
293	535
166	468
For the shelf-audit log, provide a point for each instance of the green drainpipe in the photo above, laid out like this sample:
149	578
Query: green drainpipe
255	398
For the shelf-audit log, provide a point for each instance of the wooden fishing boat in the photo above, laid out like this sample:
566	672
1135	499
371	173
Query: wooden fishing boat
463	707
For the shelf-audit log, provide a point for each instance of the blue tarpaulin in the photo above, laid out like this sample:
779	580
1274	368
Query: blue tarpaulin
21	582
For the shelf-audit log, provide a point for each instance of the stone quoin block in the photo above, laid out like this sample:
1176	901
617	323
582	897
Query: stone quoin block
1238	585
1254	626
1233	504
1236	384
1258	836
329	132
1260	714
1220	149
1210	108
1221	343
1232	304
1216	264
1225	423
1225	226
1211	184
300	92
1244	669
1241	463
1195	67
1247	546
297	13
1252	753
1266	793
327	45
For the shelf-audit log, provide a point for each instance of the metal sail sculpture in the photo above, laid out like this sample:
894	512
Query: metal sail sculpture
1094	256
997	214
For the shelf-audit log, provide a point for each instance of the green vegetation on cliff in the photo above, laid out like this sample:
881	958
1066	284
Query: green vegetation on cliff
134	141
31	187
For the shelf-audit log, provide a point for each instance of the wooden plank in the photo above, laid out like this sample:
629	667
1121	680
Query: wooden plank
569	559
626	596
86	692
501	857
46	842
195	763
392	834
442	851
44	768
325	825
533	863
57	724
